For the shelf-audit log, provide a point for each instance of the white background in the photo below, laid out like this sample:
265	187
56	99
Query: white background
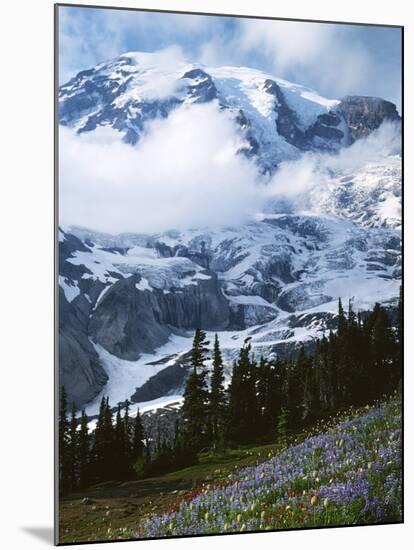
26	271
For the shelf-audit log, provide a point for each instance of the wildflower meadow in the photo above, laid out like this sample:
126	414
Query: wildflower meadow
351	474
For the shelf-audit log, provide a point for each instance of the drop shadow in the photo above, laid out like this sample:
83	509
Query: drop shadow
44	534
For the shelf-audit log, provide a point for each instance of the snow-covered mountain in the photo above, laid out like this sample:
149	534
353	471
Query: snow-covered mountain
277	118
129	303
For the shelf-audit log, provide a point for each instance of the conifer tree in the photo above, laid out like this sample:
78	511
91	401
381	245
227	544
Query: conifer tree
217	394
110	452
399	341
251	412
194	411
97	458
342	356
282	426
73	449
235	406
342	323
243	411
120	446
104	452
83	446
383	347
271	394
399	323
138	438
64	473
128	431
311	396
199	350
295	388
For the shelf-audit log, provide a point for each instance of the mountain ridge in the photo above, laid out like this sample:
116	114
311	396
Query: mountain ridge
278	119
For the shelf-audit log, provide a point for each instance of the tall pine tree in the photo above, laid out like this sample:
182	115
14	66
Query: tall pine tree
64	469
73	449
83	449
194	411
138	438
217	394
243	410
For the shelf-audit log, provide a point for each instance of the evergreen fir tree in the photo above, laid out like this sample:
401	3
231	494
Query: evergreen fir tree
383	348
194	411
399	341
295	383
282	426
97	458
342	323
217	394
128	432
83	446
251	412
64	471
342	356
195	406
399	323
199	350
120	446
104	450
73	449
243	411
138	438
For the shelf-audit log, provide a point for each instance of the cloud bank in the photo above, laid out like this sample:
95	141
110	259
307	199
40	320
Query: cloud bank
297	185
184	172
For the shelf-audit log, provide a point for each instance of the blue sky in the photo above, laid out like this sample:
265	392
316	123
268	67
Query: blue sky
333	59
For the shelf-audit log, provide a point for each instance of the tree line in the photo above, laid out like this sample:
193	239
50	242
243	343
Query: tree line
265	400
109	452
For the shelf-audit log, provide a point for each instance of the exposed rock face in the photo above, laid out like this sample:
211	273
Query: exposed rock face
171	380
355	117
365	114
322	134
201	87
326	132
79	368
125	321
129	321
287	122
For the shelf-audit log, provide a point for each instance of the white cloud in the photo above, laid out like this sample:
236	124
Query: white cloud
287	42
84	43
90	36
184	172
162	66
322	56
298	184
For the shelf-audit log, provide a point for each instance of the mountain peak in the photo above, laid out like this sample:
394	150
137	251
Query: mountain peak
277	119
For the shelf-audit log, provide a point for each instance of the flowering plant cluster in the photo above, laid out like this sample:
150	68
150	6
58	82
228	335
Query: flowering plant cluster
351	474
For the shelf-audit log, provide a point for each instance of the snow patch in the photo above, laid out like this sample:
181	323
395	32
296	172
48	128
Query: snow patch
70	288
144	285
125	376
